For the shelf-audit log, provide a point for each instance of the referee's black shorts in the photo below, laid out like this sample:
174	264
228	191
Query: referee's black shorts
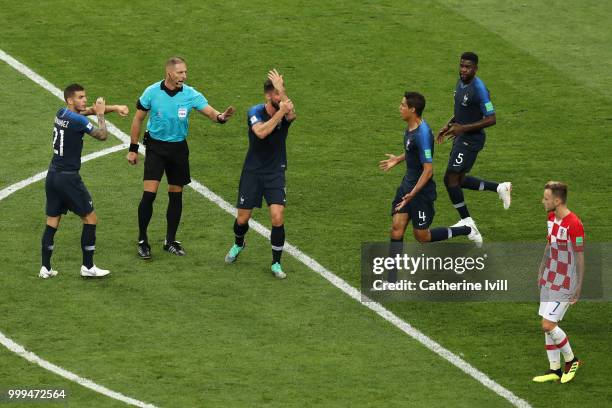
169	157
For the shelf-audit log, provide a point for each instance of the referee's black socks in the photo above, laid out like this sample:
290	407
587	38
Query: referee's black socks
239	232
145	212
277	239
173	214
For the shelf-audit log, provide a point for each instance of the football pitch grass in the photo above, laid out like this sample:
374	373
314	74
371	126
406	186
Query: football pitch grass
193	332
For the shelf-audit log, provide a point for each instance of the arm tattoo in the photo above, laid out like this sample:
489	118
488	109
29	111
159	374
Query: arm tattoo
100	132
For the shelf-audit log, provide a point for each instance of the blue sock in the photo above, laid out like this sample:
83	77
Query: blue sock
473	183
47	246
88	244
456	197
277	239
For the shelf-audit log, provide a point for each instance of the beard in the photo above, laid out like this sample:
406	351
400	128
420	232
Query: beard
275	105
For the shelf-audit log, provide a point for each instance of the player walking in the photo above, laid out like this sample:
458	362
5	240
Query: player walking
560	280
64	187
414	199
263	173
473	112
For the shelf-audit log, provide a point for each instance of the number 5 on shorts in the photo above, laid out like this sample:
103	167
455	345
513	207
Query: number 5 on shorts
459	158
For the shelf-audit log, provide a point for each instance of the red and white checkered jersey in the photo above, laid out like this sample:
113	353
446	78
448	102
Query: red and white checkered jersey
565	236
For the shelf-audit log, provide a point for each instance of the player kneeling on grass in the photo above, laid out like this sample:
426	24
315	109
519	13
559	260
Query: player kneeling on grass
64	187
560	280
263	173
416	195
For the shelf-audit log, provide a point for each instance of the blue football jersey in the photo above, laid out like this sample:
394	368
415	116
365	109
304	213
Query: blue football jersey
419	149
68	130
268	155
472	103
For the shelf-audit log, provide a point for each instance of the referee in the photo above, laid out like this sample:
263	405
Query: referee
170	101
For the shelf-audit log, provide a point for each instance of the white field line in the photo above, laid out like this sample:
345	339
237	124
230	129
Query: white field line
315	266
5	341
5	192
33	358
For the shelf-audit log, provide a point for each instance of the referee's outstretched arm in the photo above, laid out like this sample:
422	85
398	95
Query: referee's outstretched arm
214	115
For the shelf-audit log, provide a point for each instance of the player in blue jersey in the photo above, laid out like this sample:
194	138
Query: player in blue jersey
263	173
414	199
169	101
473	113
64	187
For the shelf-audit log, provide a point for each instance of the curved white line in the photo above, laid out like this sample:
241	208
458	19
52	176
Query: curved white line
7	191
314	265
33	358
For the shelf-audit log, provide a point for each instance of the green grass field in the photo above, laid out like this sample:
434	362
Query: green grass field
193	332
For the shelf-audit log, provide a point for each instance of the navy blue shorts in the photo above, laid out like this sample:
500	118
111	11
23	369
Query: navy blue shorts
420	209
253	187
461	159
66	191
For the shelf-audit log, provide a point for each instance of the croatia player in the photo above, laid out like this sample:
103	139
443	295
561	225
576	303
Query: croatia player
560	280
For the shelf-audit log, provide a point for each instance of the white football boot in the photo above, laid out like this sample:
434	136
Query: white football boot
460	223
45	273
474	235
93	272
503	190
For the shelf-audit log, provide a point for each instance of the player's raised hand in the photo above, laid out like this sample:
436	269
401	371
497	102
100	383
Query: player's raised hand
286	106
389	163
228	113
132	158
100	106
277	80
123	110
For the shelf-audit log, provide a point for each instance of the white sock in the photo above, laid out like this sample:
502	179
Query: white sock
553	353
560	339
